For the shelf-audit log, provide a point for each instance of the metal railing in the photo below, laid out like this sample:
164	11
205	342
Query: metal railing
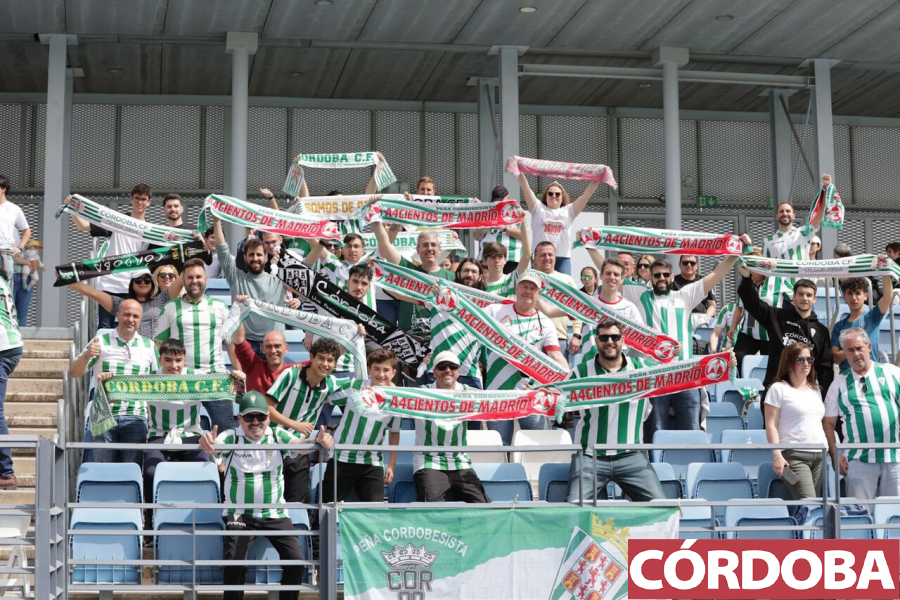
51	509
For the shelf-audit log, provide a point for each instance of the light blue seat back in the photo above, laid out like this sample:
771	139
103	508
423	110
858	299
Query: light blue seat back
500	471
770	485
884	513
109	482
508	491
715	425
553	482
680	459
767	516
721	409
106	547
750	458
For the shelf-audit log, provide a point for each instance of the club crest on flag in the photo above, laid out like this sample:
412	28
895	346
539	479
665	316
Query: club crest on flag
717	368
665	350
543	401
371	397
589	569
734	244
409	574
170	237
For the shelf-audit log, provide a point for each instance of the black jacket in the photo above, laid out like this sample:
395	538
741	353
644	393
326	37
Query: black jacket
785	327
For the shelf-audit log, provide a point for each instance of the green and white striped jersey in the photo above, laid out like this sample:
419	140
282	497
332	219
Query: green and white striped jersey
338	273
357	429
10	337
670	314
628	310
535	330
136	357
441	434
869	407
793	245
200	326
163	417
774	292
255	476
298	400
449	335
621	423
505	287
512	245
723	321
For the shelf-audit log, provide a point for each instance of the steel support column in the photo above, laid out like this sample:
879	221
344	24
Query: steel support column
57	152
488	145
824	138
240	45
509	108
671	59
780	139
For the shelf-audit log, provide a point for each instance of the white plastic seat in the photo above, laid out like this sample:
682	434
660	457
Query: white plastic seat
15	527
482	437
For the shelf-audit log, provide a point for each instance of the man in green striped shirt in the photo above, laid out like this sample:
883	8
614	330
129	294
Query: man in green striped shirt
121	351
790	242
436	473
867	396
621	423
255	476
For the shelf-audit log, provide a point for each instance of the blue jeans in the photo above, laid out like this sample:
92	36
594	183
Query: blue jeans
389	309
128	430
105	319
631	471
221	413
7	366
564	265
686	406
22	298
505	428
256	346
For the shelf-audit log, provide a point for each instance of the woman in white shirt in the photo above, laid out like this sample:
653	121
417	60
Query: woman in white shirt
794	416
553	217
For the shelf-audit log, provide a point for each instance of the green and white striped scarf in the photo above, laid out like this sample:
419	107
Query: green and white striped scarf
660	241
454	405
418	285
247	214
338	160
582	307
862	265
412	214
828	200
344	332
147	388
114	221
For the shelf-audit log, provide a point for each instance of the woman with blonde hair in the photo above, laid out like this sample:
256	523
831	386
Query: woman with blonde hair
794	416
553	217
642	269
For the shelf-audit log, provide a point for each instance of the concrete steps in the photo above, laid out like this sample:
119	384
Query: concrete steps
19	385
41	368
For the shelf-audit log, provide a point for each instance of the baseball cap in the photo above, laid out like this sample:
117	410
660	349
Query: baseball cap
253	402
532	277
815	240
140	273
446	356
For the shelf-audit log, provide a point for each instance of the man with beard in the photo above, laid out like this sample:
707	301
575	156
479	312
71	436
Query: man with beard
669	312
174	209
791	242
255	283
199	322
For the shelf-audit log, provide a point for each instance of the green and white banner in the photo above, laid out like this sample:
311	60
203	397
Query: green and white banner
107	218
338	160
247	214
659	241
862	265
406	242
570	553
411	214
155	388
828	200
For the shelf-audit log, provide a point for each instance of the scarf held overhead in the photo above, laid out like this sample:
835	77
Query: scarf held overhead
338	160
459	405
337	208
582	307
114	221
862	265
495	337
161	388
561	170
246	214
418	285
148	259
828	200
344	332
412	214
659	241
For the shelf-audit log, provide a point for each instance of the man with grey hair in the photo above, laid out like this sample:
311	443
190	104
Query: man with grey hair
414	319
867	396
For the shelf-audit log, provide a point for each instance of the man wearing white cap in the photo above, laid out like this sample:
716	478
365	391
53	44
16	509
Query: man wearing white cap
533	328
436	473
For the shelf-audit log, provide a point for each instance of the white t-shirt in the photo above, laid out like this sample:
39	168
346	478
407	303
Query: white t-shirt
12	221
802	411
553	225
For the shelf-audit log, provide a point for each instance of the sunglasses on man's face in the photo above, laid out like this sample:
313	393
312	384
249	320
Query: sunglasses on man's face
446	367
605	337
661	275
689	263
254	417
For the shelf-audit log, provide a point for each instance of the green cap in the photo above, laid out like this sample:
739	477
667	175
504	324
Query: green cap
253	402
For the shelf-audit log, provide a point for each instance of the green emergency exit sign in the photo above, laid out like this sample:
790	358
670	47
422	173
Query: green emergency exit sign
707	201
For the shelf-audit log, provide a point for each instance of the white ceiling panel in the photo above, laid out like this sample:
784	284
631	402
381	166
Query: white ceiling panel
303	19
386	74
500	22
200	17
46	16
616	25
317	72
809	27
115	17
427	21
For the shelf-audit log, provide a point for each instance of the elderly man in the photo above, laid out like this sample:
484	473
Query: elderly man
867	396
436	473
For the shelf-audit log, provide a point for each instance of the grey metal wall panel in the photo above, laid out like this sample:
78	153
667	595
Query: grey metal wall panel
93	146
160	145
11	148
735	160
40	134
875	152
440	152
642	162
854	233
214	148
804	189
396	135
320	131
885	230
574	139
467	155
528	146
267	159
726	290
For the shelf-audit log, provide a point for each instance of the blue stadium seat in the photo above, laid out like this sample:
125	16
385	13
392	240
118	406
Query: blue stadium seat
217	284
170	547
867	533
680	459
109	482
764	516
718	482
770	485
755	417
697	516
887	514
407	438
508	491
728	392
295	336
754	366
553	482
500	471
671	484
721	409
749	458
296	356
715	425
402	473
106	547
702	333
